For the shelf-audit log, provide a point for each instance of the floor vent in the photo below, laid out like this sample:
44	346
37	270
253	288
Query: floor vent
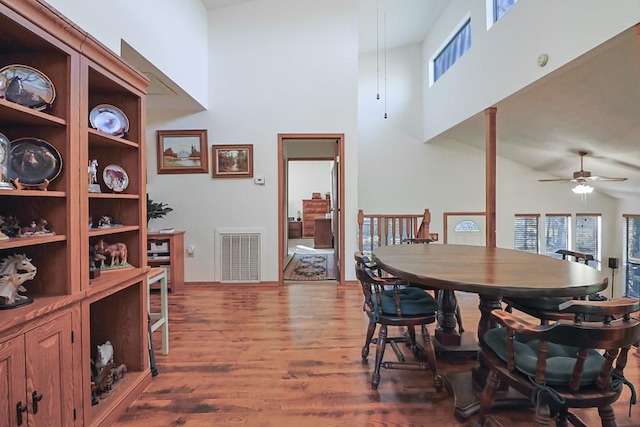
239	257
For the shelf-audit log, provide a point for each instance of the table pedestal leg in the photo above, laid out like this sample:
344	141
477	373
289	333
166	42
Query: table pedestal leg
446	333
466	387
448	340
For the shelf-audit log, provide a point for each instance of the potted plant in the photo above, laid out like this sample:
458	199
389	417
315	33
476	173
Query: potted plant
156	210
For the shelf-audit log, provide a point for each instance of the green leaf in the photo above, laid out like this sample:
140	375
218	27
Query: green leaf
156	210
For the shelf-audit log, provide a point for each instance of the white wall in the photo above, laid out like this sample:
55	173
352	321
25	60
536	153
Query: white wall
172	35
502	60
307	177
276	66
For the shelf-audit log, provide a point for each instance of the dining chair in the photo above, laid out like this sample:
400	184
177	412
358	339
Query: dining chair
392	282
564	364
584	258
390	302
367	263
547	308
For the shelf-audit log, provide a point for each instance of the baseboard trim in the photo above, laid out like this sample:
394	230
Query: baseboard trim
218	284
261	284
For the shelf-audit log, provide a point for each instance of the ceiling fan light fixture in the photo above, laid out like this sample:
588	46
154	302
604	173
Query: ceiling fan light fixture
582	188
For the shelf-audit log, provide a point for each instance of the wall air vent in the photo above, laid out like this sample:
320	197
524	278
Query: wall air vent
238	256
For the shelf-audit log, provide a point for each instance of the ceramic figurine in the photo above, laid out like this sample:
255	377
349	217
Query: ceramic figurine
94	187
105	355
117	252
10	285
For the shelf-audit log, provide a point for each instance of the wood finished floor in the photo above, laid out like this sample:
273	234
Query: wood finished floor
290	356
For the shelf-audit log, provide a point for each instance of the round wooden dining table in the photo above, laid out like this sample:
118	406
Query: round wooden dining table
492	273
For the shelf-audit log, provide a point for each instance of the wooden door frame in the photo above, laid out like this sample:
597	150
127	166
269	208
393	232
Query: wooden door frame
282	197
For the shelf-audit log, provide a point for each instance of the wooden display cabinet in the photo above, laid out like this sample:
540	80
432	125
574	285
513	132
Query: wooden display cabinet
69	312
167	250
39	384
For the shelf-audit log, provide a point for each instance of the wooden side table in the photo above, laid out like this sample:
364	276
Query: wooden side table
167	250
295	229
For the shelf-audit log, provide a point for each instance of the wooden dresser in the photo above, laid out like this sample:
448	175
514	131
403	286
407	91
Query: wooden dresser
312	209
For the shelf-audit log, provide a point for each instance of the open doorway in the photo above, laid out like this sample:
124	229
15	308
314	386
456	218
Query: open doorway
310	195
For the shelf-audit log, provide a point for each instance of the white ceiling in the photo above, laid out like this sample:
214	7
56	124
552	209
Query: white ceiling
407	21
591	104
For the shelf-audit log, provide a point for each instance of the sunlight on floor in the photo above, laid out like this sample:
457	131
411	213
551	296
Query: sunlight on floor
304	246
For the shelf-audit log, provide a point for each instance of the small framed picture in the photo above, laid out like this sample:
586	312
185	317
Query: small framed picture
232	161
182	151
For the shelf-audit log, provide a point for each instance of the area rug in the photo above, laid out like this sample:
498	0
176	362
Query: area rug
310	267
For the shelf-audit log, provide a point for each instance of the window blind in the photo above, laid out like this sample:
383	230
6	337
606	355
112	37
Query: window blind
500	7
526	233
588	236
632	288
556	234
459	44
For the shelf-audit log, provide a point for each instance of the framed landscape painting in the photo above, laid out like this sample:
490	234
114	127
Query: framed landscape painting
182	151
232	161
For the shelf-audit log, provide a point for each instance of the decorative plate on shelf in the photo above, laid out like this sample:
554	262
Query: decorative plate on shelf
115	178
109	119
26	86
33	160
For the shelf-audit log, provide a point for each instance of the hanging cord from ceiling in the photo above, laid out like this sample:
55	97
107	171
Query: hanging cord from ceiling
385	60
377	49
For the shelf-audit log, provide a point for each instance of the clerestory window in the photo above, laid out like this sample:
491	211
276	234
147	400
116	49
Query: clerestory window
459	43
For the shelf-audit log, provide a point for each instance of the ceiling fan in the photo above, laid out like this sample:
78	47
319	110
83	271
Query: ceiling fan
582	176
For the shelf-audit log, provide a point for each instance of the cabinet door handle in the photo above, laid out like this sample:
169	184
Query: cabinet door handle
20	409
35	399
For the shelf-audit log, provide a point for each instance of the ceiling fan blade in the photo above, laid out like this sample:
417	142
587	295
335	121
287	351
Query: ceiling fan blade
558	180
605	178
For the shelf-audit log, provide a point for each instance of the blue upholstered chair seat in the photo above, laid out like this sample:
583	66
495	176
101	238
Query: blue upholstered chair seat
413	302
560	358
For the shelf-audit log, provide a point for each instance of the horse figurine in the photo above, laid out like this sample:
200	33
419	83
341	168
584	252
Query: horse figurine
118	372
15	263
35	229
116	251
10	284
93	172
